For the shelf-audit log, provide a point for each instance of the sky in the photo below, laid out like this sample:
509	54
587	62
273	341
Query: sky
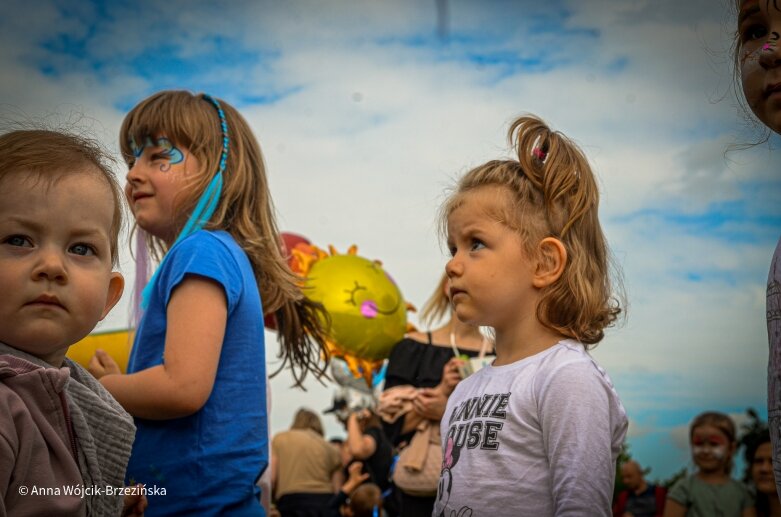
367	112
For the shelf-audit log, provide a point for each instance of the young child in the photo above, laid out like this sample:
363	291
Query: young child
711	490
758	64
196	379
537	432
65	441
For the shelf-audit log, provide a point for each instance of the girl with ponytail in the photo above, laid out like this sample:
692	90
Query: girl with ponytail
538	431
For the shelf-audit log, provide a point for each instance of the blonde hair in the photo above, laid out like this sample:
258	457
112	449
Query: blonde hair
552	192
306	419
49	154
438	304
245	210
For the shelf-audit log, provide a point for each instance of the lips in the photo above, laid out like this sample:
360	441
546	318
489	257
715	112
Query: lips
140	195
454	291
47	300
772	88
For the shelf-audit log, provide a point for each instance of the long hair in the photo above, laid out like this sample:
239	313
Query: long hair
553	193
438	304
245	210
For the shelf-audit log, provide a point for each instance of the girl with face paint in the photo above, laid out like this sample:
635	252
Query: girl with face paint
758	66
710	491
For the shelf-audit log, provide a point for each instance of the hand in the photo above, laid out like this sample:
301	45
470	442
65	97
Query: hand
102	364
361	414
135	504
450	375
356	477
430	403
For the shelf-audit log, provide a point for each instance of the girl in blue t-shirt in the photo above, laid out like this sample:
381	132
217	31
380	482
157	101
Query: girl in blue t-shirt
196	380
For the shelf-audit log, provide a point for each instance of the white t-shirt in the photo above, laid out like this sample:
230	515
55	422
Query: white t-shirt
537	437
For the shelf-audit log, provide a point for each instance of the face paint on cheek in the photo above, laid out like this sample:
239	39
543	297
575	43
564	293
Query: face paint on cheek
718	452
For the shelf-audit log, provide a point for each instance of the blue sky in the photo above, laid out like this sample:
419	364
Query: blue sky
366	112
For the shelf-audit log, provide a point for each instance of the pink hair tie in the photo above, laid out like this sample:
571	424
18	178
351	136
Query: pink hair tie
539	154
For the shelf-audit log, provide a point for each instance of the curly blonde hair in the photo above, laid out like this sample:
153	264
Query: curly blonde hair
553	193
245	210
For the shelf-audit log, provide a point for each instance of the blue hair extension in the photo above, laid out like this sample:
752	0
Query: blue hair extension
207	203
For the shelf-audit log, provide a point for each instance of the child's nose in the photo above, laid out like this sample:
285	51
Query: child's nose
50	266
453	267
770	55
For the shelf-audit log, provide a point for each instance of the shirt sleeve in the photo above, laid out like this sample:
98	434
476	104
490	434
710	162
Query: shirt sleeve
680	492
574	404
202	254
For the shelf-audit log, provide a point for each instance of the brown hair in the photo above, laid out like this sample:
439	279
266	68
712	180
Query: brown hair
365	499
50	154
245	210
306	419
721	422
552	192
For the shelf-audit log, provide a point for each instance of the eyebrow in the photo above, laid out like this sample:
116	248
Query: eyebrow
78	232
748	11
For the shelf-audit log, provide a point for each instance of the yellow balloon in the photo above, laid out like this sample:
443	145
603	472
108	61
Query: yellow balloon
116	343
368	312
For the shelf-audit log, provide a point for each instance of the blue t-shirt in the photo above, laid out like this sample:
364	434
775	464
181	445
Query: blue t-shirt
208	462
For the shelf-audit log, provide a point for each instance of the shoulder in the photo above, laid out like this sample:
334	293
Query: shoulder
206	242
681	490
568	362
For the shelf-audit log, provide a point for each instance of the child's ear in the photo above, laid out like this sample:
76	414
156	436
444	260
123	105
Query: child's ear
551	260
116	285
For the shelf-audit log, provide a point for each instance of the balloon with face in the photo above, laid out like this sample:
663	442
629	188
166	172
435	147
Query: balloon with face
368	312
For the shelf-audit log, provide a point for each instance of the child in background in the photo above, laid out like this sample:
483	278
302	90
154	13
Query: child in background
538	431
60	215
759	473
196	379
758	64
711	490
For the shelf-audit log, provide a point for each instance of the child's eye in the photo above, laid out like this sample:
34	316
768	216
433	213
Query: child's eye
753	32
452	250
83	249
477	244
18	240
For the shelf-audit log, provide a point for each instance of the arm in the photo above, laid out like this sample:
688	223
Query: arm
574	404
674	509
361	446
197	314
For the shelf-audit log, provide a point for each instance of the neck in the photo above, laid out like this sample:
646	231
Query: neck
523	338
641	488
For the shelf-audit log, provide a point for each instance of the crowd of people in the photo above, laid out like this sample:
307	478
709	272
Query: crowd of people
524	422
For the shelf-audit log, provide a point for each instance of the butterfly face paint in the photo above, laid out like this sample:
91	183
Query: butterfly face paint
160	146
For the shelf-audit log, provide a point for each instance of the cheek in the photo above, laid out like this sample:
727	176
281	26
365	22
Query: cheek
752	78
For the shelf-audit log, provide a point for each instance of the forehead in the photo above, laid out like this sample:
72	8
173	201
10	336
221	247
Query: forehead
709	432
485	202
